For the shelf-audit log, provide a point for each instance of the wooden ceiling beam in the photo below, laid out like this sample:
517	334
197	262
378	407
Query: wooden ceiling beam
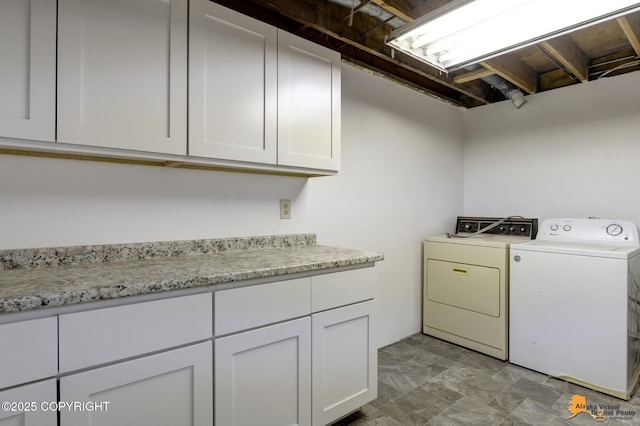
410	10
630	25
613	64
558	78
569	54
554	79
473	75
515	71
405	76
395	9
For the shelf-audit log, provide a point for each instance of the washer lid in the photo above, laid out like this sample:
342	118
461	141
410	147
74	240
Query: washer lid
610	250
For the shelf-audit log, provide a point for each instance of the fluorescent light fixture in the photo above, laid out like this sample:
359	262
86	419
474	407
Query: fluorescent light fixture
465	32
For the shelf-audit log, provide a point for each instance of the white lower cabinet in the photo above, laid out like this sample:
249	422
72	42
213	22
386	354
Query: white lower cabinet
167	389
33	353
263	376
295	352
26	405
292	352
345	361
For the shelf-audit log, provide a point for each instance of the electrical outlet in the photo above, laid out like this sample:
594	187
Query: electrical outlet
285	209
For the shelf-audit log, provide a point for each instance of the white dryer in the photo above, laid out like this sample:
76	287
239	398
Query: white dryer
466	282
574	303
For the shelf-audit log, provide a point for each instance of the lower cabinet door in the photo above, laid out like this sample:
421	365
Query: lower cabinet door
263	376
345	361
30	405
168	389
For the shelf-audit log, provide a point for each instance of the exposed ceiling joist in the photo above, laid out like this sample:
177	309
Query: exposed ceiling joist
389	7
472	75
358	29
554	79
514	71
355	10
409	10
631	27
567	52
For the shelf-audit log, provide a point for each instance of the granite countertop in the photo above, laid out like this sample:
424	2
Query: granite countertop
38	278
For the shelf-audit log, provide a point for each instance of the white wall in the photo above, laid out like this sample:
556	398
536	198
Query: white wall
401	180
53	202
571	152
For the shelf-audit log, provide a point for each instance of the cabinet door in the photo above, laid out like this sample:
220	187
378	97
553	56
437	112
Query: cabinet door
122	74
232	85
167	389
33	354
27	73
32	414
345	361
308	104
263	377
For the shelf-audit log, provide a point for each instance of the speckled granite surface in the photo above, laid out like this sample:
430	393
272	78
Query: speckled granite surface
59	256
154	267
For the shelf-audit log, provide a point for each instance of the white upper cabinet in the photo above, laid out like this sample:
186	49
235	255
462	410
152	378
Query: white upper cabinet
190	80
308	104
232	85
260	95
122	74
27	73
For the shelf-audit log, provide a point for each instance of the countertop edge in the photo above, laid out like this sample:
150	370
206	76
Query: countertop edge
84	294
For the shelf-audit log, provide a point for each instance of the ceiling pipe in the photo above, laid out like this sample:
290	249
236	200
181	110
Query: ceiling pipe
372	10
506	88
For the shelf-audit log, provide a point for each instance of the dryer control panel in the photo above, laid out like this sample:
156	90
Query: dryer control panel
590	230
514	226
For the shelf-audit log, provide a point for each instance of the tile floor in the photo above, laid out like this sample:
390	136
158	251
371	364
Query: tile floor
426	381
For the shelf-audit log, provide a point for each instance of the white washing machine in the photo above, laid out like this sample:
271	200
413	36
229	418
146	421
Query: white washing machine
574	302
466	282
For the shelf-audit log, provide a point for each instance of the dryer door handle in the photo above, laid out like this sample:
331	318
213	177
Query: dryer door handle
459	271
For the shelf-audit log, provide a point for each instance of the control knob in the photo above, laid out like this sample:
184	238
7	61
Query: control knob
567	228
554	227
614	229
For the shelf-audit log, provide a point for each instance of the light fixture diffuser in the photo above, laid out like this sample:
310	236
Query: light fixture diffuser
466	32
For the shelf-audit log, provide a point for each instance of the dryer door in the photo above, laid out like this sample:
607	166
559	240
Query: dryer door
472	287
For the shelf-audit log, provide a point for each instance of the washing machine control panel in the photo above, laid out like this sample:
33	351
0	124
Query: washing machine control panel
589	230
